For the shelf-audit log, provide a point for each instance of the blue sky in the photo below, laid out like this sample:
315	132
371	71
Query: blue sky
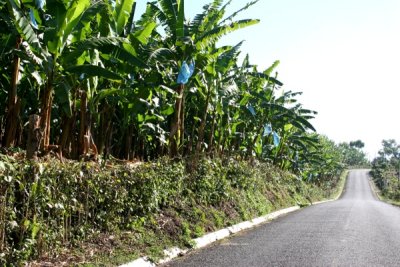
344	55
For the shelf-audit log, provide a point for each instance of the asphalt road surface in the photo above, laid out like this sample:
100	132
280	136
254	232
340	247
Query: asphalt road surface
356	230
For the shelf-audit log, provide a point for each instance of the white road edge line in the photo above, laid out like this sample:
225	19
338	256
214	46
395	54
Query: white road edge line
329	200
210	238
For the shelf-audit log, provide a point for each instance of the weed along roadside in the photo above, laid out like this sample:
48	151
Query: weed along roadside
83	212
210	238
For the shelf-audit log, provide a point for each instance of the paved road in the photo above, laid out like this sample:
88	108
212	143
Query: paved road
357	230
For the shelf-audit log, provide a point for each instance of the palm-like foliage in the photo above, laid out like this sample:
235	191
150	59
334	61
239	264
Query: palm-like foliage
115	90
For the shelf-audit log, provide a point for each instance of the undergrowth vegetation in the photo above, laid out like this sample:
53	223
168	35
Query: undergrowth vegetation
47	206
386	171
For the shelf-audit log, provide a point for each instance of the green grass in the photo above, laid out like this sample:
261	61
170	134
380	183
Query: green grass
339	189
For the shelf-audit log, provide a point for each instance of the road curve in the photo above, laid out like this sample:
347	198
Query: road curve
356	230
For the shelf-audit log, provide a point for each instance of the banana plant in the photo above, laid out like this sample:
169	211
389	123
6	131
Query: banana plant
131	99
190	41
10	41
256	104
47	46
60	44
214	88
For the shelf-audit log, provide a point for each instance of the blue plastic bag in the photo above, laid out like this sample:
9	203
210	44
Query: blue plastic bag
33	20
267	129
277	139
191	67
40	3
252	110
185	72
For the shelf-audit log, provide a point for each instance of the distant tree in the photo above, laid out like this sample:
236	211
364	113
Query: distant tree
353	154
357	144
390	149
385	168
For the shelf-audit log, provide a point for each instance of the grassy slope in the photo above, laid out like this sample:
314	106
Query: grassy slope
105	215
338	190
213	218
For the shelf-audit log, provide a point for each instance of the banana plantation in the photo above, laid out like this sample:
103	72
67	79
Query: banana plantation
95	79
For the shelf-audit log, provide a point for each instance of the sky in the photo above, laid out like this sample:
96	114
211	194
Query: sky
344	55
